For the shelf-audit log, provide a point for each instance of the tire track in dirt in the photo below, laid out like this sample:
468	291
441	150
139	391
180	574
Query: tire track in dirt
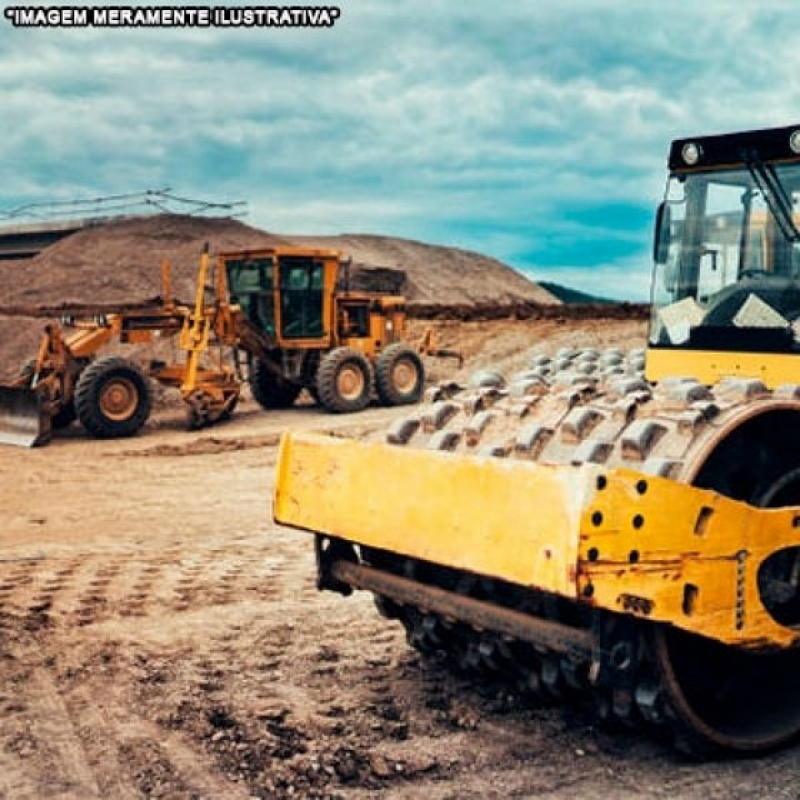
95	587
136	757
58	740
52	728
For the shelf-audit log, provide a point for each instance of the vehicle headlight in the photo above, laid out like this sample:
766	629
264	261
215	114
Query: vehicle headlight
692	153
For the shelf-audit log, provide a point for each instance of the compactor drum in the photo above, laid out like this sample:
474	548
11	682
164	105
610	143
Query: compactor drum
626	524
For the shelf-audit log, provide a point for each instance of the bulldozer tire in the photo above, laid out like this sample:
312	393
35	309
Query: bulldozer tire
344	381
112	398
736	437
269	390
399	376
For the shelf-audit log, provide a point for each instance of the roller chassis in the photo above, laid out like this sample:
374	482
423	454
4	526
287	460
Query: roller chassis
650	557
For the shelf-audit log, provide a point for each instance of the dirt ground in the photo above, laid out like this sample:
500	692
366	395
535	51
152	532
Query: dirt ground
161	637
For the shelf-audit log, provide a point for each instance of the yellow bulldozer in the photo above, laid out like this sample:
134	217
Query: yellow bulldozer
289	310
587	528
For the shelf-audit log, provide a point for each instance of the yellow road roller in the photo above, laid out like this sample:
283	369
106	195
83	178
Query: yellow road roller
624	524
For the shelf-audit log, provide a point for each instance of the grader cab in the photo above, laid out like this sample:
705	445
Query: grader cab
585	528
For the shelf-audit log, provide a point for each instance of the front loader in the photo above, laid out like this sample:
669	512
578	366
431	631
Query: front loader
586	528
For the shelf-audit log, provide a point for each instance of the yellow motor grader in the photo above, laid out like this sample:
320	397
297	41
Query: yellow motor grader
69	379
289	309
588	528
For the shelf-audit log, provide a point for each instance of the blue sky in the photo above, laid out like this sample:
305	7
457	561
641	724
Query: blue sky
535	132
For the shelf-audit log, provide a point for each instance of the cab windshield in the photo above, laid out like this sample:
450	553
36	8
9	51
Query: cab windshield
728	256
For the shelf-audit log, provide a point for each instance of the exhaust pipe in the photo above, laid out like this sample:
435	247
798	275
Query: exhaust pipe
23	422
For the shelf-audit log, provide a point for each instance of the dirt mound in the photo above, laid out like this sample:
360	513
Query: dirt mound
437	275
118	263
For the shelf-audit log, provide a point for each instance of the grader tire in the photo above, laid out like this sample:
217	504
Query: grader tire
399	376
344	381
112	398
736	438
269	391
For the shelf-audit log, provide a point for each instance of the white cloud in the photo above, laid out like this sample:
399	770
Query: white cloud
455	121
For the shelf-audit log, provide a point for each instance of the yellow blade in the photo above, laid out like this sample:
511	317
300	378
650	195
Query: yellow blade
614	539
462	512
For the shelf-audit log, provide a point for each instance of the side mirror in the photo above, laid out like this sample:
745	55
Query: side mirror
661	236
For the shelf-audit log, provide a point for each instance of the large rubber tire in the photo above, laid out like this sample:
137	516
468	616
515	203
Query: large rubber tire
112	398
344	381
736	438
269	390
399	376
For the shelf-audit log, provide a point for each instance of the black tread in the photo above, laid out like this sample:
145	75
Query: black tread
87	396
268	390
388	392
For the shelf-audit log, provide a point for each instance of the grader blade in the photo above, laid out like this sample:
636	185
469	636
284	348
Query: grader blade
23	423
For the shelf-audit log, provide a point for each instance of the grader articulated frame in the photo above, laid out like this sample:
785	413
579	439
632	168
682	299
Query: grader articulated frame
584	528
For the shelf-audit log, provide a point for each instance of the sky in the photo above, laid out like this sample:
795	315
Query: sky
535	132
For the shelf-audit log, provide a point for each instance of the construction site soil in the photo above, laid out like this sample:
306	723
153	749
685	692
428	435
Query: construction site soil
160	637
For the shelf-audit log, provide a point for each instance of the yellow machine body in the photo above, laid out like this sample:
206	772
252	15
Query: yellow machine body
333	315
613	539
317	333
585	527
709	367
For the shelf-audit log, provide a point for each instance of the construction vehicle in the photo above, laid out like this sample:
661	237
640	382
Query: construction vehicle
304	328
280	306
70	379
584	528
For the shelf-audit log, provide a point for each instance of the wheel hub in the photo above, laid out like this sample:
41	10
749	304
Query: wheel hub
404	376
118	399
350	383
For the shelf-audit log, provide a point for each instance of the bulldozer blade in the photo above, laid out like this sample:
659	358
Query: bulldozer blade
23	423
